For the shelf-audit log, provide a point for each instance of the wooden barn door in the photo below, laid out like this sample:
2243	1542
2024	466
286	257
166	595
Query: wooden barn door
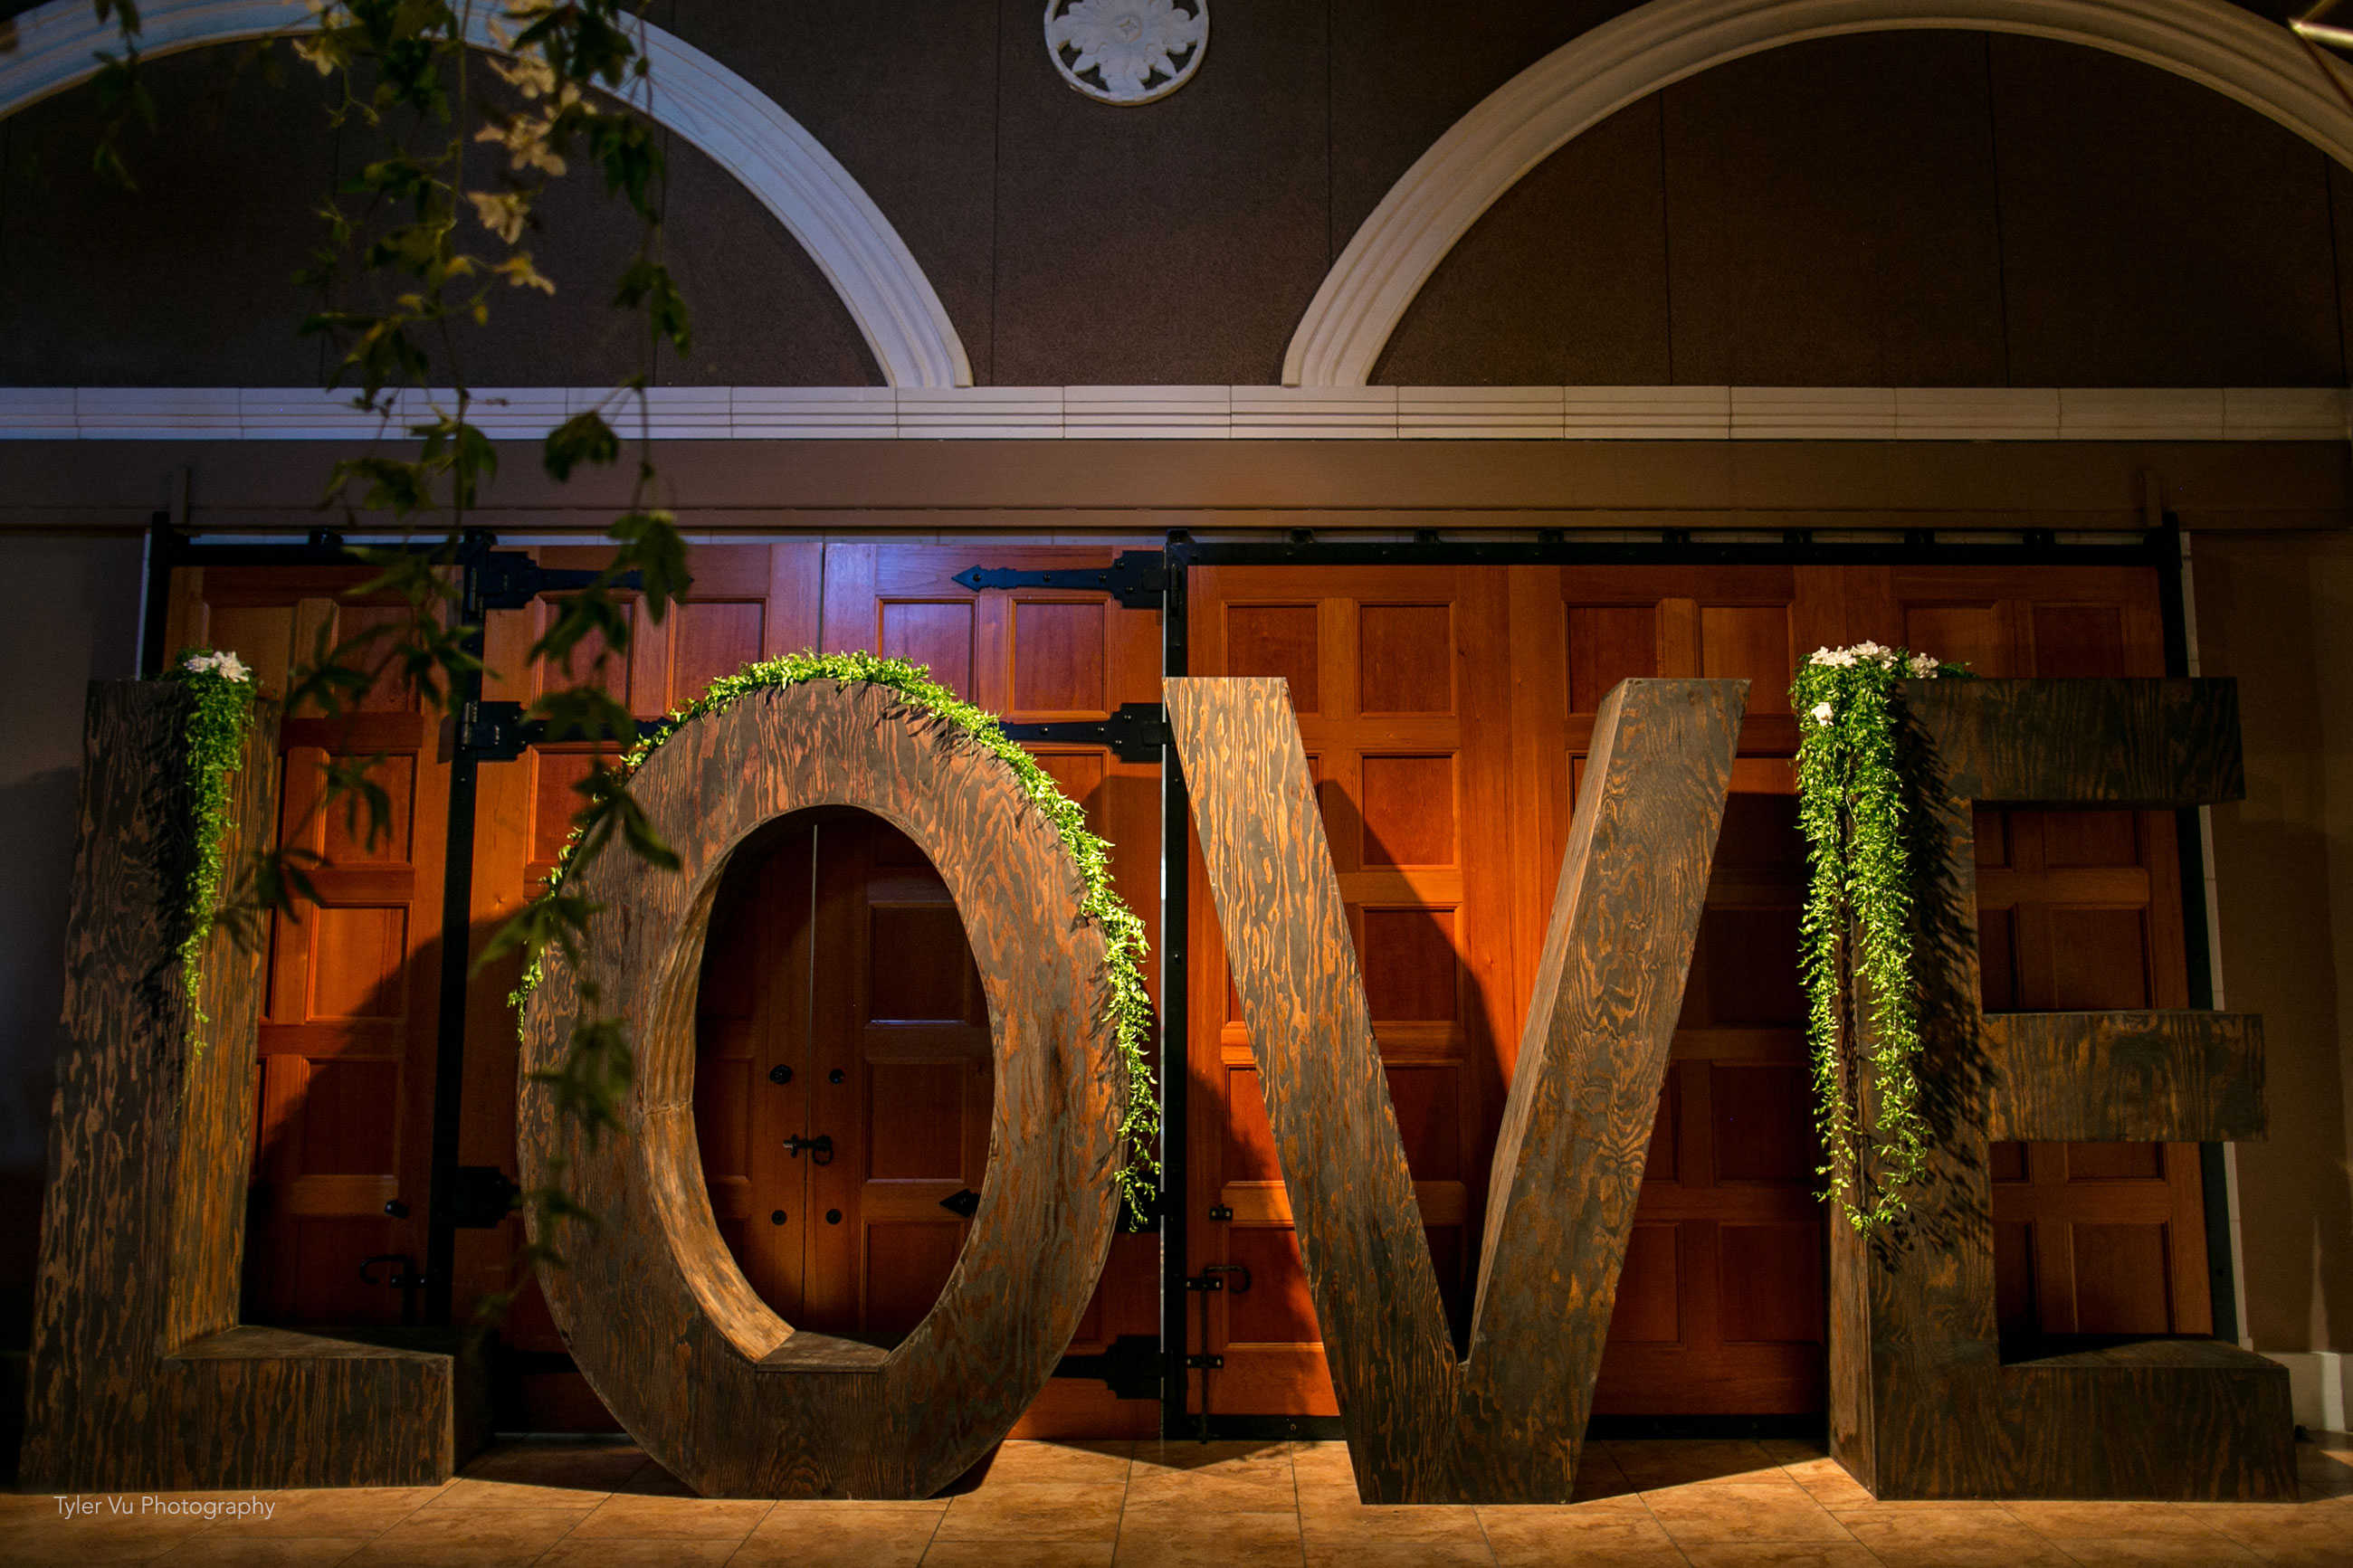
1401	680
1721	1307
2075	909
899	1007
342	1160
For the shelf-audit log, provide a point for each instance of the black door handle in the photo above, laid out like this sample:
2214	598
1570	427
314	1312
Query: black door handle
821	1148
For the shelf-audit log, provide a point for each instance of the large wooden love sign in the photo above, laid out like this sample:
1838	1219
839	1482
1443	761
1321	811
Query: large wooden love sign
1507	1424
729	1397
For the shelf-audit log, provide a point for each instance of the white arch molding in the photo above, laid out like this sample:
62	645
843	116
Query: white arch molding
713	109
1624	61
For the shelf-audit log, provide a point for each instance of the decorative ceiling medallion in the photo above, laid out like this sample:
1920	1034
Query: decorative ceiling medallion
1127	51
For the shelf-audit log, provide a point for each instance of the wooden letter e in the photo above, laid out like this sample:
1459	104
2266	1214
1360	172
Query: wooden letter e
1505	1425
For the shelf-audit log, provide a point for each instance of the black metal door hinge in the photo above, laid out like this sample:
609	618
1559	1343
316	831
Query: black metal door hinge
1136	578
1205	1362
1136	733
1130	1366
510	580
498	732
482	1197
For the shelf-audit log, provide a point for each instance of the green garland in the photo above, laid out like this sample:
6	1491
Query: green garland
1855	936
217	726
1130	1005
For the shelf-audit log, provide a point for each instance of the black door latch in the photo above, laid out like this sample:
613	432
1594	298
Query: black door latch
821	1148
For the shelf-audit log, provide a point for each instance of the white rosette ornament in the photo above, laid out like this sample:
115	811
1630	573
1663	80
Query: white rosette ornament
1127	51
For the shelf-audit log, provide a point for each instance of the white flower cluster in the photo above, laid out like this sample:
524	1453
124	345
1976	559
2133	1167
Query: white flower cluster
1921	668
1918	666
226	665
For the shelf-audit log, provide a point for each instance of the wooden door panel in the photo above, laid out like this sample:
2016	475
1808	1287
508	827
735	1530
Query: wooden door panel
1393	678
1033	655
2077	909
348	1030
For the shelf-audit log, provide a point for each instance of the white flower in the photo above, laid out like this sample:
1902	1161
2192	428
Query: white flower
1821	711
228	666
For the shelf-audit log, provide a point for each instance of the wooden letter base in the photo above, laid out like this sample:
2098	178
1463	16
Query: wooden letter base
140	1377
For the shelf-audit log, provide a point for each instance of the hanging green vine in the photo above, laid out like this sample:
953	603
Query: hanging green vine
1131	1007
217	725
1855	936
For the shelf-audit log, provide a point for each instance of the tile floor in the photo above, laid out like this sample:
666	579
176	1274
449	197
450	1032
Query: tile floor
1653	1504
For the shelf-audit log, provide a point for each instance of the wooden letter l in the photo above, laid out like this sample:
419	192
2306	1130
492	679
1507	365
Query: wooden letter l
1505	1425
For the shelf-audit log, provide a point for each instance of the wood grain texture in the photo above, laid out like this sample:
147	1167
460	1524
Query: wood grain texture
140	1375
1507	1424
1922	1402
716	1386
2126	1077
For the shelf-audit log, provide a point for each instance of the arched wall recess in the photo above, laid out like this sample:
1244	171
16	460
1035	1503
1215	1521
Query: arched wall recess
1623	61
715	110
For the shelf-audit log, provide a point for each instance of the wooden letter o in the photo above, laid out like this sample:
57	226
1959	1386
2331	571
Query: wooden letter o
726	1394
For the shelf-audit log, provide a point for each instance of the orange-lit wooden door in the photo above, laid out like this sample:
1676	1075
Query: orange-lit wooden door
1720	1305
840	1003
747	601
912	1027
1401	680
347	1035
2075	909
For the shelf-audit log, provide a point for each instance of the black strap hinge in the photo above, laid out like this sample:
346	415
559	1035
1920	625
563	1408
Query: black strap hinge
482	1197
1136	733
510	580
1136	578
1130	1366
497	732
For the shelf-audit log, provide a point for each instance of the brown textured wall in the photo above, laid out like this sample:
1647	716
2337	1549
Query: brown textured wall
1912	209
2277	612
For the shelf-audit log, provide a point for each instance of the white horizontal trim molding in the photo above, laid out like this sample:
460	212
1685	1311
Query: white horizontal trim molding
1225	413
709	106
1625	60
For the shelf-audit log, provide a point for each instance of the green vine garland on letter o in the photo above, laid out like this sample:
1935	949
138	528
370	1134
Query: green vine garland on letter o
1855	936
1123	932
223	690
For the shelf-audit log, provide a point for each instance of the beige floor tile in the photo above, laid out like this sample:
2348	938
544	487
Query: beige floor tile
2280	1529
1793	1450
1046	1510
674	1519
37	1545
1781	1554
842	1535
2067	1521
349	1511
1038	1462
1256	1484
213	1550
1707	1511
615	1552
1544	1535
1157	1538
1019	1554
2096	1553
471	1535
1421	1555
1669	1462
1960	1534
1331	1519
474	1491
1827	1483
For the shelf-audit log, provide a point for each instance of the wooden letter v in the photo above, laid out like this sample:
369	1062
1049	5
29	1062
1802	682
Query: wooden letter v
1504	1425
